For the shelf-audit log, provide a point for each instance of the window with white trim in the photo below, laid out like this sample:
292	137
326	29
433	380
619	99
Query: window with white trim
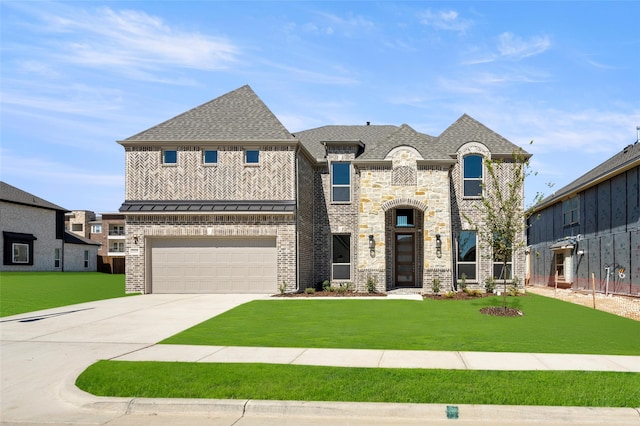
472	175
467	255
252	157
341	182
499	271
96	229
20	252
341	257
170	156
210	156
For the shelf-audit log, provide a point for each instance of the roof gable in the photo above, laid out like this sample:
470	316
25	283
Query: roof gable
18	196
239	115
466	129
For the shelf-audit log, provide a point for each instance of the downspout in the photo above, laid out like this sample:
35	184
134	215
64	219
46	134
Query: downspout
297	182
453	246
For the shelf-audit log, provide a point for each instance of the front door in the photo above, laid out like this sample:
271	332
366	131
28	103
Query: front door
405	260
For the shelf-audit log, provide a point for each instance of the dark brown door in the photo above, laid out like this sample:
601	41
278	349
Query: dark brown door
405	260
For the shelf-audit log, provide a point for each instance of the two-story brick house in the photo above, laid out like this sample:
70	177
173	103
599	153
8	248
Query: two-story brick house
223	198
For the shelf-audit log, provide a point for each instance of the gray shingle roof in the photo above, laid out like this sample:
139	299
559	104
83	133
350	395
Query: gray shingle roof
14	195
369	135
466	129
239	115
406	136
628	157
75	239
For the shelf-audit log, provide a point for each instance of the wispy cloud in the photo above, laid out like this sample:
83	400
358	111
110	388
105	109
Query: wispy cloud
508	46
512	46
448	20
62	173
132	42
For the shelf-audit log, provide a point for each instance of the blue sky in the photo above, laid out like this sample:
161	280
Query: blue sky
77	76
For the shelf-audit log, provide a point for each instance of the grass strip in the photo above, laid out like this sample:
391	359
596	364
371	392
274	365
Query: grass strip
22	292
548	326
312	383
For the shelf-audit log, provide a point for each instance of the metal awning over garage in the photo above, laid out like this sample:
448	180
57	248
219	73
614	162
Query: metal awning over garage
213	265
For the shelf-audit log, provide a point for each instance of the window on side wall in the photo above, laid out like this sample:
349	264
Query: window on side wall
341	182
467	254
252	157
571	211
18	248
472	176
96	229
86	258
170	156
560	265
56	258
341	257
210	156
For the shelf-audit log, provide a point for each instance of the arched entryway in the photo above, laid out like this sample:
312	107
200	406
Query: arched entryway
404	255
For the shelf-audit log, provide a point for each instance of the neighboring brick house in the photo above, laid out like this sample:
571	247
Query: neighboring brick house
591	226
34	238
223	198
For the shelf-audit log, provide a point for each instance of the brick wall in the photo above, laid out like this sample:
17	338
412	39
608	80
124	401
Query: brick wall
230	179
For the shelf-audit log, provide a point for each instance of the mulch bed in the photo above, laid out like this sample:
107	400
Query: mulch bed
330	294
498	311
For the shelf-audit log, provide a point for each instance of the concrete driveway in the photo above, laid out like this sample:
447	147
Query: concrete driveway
42	353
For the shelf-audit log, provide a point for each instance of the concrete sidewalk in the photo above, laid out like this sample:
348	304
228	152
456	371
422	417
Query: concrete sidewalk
42	354
373	358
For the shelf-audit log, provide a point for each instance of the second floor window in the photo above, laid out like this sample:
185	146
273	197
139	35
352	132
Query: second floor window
252	156
341	182
472	172
571	211
210	156
169	156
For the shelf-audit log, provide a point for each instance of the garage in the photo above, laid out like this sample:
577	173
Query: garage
213	265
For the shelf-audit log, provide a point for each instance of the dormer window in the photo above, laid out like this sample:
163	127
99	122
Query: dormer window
472	176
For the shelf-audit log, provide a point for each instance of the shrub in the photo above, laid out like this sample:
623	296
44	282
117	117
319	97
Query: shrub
372	283
450	294
435	286
474	293
513	288
283	287
490	285
463	282
310	290
326	285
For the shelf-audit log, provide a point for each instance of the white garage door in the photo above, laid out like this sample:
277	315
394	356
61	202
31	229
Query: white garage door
213	265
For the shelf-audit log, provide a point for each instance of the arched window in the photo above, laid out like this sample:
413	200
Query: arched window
472	176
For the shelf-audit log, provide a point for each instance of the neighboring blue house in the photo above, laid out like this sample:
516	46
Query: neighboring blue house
591	226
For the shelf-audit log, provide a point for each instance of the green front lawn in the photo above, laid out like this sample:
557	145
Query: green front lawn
32	291
310	383
548	326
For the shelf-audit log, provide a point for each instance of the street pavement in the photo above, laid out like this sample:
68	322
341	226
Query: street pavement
42	353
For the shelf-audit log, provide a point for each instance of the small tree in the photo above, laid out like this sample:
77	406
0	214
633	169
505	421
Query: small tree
502	218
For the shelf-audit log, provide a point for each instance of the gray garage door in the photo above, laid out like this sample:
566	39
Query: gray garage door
213	265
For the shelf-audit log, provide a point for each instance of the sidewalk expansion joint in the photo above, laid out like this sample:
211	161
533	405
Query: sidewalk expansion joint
466	366
131	352
299	355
